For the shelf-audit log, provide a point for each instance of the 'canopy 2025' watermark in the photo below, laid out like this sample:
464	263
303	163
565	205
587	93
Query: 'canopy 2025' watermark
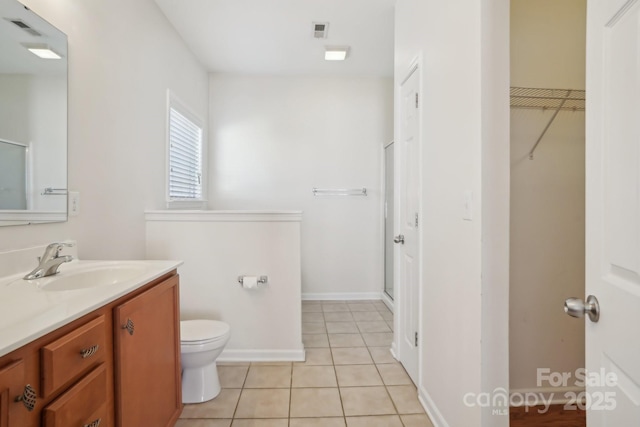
599	397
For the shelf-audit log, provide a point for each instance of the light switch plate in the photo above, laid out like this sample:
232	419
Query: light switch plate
74	203
468	206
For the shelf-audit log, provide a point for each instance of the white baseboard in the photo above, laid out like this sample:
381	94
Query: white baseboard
394	350
557	395
430	408
386	299
338	296
229	355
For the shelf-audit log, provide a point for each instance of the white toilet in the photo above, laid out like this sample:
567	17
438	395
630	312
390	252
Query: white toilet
201	342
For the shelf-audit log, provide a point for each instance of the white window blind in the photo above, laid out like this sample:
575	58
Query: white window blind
185	158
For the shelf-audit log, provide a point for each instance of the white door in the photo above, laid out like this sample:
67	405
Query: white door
407	178
613	211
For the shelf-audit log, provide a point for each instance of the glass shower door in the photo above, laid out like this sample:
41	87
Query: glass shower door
13	176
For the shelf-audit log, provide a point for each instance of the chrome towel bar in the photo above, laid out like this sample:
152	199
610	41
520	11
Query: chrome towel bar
54	192
339	191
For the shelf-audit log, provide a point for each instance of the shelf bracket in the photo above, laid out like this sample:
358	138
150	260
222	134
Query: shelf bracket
533	149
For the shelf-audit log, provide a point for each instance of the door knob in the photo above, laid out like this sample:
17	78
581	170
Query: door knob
577	308
399	239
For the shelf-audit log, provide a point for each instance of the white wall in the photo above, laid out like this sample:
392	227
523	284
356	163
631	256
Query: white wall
547	194
495	207
123	56
14	108
463	69
217	247
275	138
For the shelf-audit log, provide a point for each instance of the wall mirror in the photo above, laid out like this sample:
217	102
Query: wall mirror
33	118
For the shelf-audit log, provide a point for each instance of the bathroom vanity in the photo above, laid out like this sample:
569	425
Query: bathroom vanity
89	356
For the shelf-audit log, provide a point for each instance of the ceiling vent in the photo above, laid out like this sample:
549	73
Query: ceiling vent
24	26
320	30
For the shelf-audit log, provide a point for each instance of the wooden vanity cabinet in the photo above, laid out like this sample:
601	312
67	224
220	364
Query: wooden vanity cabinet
87	373
147	348
51	366
12	383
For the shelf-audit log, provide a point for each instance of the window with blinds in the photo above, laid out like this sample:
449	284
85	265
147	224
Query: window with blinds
185	156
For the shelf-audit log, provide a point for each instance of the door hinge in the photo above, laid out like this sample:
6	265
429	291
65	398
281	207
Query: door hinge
416	100
416	339
416	219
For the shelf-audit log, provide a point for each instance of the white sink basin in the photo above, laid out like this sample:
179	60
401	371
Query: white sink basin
104	273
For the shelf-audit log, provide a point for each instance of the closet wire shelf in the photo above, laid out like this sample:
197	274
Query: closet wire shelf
547	99
565	99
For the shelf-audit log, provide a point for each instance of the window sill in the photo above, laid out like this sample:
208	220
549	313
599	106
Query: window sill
187	204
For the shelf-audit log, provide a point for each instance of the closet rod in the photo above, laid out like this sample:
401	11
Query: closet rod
548	125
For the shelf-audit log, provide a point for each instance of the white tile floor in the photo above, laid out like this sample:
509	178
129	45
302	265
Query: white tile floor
349	378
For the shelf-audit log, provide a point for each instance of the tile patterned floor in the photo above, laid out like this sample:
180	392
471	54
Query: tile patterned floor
349	378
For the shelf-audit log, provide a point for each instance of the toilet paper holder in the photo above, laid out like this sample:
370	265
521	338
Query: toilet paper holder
262	280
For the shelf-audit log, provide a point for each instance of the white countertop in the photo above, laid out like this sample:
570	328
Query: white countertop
30	310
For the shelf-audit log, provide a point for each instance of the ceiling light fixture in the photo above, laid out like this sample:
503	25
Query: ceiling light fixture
42	51
336	53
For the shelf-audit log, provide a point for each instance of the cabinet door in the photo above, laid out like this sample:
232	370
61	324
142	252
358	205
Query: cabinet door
12	385
147	358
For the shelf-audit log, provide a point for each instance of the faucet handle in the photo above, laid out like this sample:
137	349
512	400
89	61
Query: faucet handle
60	245
53	249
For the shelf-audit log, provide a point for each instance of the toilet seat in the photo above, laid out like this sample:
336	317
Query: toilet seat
199	332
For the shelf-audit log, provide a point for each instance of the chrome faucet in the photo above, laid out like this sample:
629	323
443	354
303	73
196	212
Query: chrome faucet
50	261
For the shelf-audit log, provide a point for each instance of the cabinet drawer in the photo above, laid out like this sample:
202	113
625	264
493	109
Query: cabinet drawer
70	356
84	404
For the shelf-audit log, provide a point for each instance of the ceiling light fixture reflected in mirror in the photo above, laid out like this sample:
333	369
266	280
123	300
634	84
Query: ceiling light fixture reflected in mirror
43	51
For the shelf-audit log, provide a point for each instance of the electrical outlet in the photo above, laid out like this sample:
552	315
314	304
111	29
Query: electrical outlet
74	203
